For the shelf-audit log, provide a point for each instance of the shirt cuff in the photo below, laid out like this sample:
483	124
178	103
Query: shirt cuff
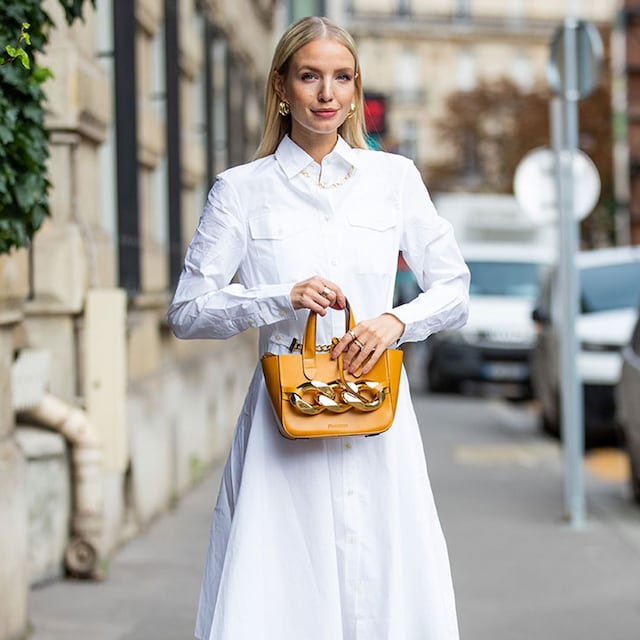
274	305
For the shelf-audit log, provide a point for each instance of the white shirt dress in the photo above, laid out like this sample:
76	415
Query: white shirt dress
329	539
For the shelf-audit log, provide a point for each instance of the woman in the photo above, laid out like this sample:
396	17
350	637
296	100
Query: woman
338	538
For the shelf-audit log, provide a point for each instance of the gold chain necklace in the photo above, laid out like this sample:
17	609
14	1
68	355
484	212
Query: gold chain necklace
331	185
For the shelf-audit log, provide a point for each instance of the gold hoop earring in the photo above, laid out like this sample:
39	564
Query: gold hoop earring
352	111
284	109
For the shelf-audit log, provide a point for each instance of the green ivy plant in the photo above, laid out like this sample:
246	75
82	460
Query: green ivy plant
24	30
18	52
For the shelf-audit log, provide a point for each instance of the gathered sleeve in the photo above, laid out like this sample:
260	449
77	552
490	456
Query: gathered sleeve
430	249
206	304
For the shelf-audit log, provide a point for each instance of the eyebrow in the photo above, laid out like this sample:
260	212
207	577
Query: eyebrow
308	67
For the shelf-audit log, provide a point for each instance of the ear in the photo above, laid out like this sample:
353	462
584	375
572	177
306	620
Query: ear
278	86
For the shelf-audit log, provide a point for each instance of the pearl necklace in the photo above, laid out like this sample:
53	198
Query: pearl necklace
331	185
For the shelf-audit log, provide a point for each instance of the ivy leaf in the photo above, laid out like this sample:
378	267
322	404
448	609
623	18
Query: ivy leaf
24	58
41	74
24	33
6	134
19	52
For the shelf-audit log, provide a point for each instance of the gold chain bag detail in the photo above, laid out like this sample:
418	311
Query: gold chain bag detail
313	397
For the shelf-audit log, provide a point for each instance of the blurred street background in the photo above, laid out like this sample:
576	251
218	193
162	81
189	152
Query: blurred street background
520	571
116	116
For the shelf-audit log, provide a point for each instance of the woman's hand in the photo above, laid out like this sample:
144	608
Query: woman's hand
366	342
317	293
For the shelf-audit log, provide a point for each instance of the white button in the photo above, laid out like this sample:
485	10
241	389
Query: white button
334	262
277	336
347	445
350	492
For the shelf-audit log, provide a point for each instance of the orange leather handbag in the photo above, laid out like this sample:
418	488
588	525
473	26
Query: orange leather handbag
313	397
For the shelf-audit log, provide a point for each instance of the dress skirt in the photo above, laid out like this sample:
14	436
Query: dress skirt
329	539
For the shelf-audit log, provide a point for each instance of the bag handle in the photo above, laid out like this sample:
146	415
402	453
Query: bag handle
309	340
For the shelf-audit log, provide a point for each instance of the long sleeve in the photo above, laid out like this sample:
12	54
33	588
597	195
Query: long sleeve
429	248
206	304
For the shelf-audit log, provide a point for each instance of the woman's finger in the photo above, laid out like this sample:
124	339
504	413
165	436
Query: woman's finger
364	359
317	293
363	345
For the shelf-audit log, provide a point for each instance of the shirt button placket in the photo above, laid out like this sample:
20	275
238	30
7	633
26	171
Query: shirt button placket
352	529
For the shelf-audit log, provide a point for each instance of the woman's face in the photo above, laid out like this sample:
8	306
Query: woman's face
319	87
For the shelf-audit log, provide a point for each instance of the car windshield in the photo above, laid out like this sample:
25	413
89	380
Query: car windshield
504	278
611	286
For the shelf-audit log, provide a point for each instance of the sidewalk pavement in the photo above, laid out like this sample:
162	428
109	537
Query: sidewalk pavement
520	571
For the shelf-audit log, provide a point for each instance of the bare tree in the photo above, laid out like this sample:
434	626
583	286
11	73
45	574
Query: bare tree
489	129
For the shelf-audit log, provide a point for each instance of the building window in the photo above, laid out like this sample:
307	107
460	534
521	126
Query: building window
174	141
216	108
409	140
516	11
522	71
235	109
408	76
463	9
466	70
301	8
157	105
126	143
107	150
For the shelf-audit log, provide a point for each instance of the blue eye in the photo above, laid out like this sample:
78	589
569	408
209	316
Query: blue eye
307	76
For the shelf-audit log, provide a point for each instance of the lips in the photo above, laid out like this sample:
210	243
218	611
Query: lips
325	113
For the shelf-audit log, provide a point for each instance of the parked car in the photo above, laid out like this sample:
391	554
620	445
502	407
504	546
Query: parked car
494	345
609	289
628	405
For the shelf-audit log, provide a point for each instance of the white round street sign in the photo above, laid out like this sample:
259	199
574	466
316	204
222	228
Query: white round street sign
535	185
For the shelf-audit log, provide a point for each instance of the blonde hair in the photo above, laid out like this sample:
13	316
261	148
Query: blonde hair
298	35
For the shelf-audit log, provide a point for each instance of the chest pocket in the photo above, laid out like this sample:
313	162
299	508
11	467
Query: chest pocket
280	242
375	240
268	226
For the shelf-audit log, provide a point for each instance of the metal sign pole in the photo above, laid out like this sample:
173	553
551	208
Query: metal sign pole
572	401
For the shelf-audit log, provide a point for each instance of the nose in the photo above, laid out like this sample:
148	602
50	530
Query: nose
326	90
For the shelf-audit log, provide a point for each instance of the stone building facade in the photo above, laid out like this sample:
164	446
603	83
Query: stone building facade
106	419
417	52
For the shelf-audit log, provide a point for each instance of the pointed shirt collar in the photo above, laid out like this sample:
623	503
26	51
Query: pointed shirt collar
293	159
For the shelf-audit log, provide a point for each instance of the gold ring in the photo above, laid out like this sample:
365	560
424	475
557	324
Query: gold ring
326	292
358	344
353	335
